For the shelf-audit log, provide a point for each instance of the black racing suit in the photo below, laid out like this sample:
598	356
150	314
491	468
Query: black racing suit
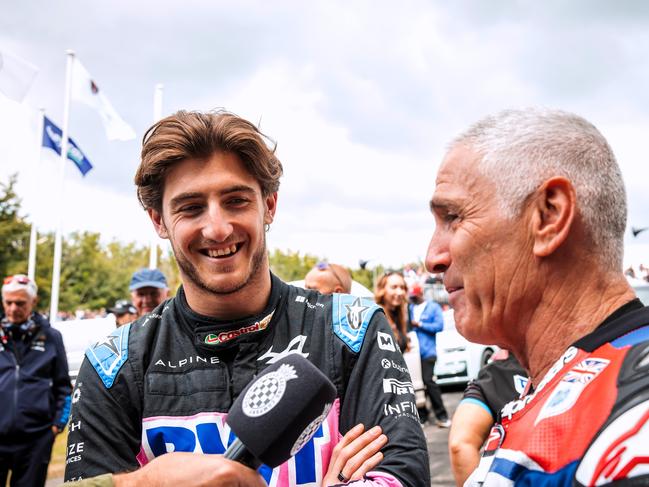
166	382
498	383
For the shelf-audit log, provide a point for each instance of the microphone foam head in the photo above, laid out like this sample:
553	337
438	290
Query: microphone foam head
281	409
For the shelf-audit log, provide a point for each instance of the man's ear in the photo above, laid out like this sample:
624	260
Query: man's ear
271	207
158	223
553	216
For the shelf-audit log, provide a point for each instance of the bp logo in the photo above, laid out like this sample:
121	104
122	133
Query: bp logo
266	392
310	430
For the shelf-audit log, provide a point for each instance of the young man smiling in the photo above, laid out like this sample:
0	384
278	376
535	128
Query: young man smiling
209	183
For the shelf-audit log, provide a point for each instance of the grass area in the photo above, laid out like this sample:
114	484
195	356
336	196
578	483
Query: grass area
57	463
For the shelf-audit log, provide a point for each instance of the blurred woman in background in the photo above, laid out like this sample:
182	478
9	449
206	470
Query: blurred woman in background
391	293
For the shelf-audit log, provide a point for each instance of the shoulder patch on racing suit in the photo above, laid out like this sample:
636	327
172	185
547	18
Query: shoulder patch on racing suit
351	317
108	355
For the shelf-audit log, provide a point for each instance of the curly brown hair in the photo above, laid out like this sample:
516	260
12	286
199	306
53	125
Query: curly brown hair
198	135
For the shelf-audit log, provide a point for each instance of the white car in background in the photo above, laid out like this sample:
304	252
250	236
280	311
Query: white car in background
458	360
79	335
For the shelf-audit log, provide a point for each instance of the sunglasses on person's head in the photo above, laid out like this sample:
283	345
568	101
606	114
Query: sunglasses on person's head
323	266
389	273
18	279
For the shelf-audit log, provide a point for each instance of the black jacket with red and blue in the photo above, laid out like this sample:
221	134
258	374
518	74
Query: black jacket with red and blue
166	382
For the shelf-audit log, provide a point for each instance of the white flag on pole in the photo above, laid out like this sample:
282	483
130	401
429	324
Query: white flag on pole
85	90
16	76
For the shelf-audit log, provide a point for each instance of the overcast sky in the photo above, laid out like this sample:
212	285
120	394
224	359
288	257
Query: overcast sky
361	97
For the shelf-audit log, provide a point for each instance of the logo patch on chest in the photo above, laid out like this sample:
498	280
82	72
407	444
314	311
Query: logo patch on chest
573	383
226	336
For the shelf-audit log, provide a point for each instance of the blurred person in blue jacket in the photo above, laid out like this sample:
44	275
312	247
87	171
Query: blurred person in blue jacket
34	386
426	320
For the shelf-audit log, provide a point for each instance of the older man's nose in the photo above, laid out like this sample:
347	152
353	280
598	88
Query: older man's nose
438	257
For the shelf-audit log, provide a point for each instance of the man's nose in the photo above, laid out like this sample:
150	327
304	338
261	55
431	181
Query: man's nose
438	257
217	226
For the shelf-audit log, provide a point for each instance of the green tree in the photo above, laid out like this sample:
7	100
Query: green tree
96	276
44	262
14	231
364	276
291	266
125	259
167	264
82	272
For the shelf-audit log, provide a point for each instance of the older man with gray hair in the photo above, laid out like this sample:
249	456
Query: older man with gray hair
34	385
530	212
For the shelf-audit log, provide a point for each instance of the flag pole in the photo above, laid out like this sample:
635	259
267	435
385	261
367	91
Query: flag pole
157	115
31	262
56	270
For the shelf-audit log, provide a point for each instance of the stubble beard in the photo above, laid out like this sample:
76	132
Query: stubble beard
192	274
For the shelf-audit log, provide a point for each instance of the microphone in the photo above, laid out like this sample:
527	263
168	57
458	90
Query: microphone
278	412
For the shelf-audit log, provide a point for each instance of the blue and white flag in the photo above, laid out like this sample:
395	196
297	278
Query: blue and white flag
52	136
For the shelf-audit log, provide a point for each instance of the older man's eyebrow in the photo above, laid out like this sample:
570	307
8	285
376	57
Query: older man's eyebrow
439	205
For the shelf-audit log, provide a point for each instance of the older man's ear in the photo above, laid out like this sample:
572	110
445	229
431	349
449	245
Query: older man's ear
554	208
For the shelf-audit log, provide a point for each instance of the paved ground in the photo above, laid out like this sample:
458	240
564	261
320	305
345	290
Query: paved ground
437	438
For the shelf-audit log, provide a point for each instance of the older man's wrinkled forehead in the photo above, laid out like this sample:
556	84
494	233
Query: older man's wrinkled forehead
459	178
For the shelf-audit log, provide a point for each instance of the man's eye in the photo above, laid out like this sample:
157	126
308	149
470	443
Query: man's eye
189	209
450	217
237	201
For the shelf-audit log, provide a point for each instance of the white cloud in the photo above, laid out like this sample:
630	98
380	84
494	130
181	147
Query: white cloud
361	98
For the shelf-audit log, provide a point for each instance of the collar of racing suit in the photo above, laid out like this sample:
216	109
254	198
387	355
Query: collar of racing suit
626	318
212	333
